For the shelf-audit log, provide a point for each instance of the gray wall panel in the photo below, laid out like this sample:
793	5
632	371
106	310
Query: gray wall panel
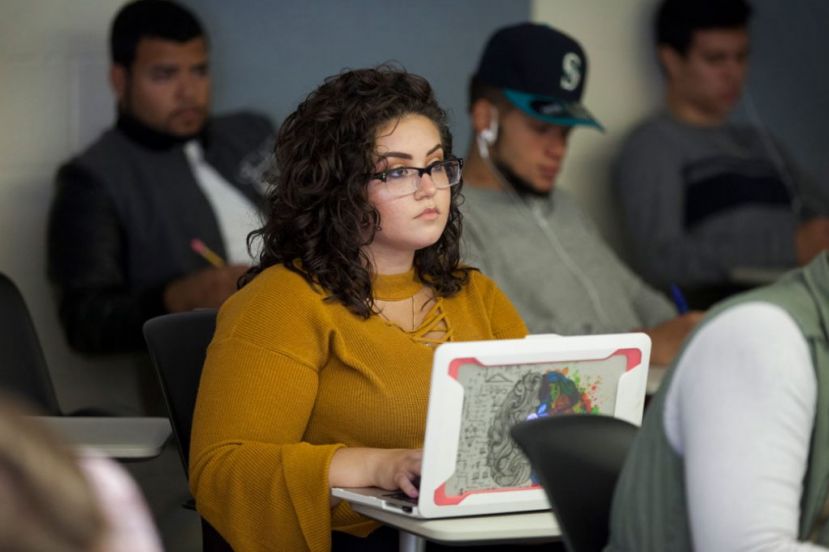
788	82
269	55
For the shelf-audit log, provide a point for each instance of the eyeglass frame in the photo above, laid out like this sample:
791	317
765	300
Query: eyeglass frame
382	176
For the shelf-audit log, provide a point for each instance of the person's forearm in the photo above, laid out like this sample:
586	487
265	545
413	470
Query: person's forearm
667	338
696	261
353	467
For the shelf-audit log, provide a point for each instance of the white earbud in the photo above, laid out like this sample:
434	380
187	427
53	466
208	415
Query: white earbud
488	136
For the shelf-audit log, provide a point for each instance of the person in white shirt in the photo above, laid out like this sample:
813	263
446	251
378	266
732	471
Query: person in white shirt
733	453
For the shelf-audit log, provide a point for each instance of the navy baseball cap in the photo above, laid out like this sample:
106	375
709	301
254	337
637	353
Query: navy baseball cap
540	70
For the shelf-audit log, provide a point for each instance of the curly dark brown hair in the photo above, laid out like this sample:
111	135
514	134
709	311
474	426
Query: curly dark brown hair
318	212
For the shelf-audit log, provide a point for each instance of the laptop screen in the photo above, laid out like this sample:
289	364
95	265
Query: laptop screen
497	397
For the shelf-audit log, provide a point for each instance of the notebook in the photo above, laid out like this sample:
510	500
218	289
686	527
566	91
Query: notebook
479	389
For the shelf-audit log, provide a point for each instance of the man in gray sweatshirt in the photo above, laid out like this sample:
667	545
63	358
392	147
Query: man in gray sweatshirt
703	197
522	230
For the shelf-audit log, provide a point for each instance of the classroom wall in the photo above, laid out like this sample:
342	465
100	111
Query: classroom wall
272	54
623	86
53	100
787	83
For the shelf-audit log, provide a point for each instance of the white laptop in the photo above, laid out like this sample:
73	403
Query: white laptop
479	389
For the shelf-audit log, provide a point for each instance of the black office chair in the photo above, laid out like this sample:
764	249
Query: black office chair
577	459
23	370
178	346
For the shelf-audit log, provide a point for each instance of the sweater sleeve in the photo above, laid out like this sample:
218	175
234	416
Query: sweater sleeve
740	411
99	310
252	475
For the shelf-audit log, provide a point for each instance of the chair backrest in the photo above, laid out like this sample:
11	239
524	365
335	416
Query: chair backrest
178	346
577	459
23	370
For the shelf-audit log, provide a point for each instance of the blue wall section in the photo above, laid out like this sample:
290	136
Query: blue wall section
788	84
270	54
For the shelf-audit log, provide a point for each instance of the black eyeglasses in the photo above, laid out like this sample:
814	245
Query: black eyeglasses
402	181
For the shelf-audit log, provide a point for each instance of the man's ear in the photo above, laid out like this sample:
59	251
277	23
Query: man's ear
482	113
671	61
118	80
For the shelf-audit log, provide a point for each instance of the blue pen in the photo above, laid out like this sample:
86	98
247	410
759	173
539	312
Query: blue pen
679	299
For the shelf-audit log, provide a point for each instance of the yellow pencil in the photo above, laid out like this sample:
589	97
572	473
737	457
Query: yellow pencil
207	254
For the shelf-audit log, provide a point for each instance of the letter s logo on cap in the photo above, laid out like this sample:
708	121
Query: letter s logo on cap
570	71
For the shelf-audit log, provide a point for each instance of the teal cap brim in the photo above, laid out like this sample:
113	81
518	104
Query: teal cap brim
552	110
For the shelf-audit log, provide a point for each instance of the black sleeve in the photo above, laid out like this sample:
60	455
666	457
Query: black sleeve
99	311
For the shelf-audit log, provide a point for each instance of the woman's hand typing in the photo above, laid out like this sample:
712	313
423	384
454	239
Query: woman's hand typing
390	469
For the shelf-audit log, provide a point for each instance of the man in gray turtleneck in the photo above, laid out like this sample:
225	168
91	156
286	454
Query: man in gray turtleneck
153	216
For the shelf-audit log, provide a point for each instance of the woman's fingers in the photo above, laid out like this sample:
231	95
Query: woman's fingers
407	471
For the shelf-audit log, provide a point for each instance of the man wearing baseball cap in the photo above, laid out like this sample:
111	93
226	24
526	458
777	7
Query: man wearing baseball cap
523	231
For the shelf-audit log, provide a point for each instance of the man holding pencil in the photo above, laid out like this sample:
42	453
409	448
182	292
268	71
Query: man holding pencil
153	217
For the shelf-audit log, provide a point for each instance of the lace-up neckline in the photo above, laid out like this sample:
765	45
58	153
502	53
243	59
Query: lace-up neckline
434	328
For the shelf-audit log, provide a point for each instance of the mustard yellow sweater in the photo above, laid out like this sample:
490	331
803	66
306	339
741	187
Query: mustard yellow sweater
290	378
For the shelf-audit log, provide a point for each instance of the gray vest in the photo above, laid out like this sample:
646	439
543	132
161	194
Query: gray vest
160	206
650	508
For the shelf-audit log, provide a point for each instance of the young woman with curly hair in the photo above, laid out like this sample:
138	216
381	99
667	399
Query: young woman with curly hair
318	374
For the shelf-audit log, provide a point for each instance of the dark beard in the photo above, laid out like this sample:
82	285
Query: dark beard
521	186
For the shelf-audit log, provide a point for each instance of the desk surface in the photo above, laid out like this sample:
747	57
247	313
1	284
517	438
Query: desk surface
526	527
114	437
